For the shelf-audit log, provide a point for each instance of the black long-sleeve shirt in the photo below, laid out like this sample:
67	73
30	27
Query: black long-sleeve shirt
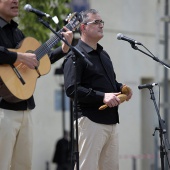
92	83
10	37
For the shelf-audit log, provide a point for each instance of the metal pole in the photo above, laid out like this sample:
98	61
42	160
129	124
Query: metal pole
134	163
165	84
47	165
63	106
157	79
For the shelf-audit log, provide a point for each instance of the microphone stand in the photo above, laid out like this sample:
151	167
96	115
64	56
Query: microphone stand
164	143
152	56
74	58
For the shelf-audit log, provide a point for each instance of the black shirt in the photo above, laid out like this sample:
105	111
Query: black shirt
92	83
10	37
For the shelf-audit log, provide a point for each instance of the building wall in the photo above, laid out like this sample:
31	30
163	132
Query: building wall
140	20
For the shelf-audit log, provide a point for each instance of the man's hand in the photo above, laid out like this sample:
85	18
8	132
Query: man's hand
28	59
111	99
68	36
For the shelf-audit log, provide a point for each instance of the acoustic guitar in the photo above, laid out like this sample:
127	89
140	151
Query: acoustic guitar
17	82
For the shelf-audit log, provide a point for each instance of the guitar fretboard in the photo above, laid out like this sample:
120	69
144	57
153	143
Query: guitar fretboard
45	48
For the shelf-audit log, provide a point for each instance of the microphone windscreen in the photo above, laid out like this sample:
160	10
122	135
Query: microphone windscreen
119	36
27	7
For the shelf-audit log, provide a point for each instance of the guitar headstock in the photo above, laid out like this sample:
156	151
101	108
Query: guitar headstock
74	20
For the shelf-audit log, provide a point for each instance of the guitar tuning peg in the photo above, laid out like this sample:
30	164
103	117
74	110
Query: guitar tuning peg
68	17
55	19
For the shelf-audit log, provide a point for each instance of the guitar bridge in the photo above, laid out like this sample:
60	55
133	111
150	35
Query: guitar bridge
18	74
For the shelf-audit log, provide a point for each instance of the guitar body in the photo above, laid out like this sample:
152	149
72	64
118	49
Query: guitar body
11	88
18	83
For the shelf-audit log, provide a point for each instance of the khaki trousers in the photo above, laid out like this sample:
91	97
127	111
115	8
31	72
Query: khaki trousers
15	140
98	145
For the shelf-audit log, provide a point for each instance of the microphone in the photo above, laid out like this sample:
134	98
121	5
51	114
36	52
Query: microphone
29	8
120	36
149	86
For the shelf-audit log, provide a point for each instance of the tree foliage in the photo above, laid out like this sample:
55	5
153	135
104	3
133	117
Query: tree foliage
29	23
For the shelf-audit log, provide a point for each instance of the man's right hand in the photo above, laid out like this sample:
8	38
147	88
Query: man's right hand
28	59
111	99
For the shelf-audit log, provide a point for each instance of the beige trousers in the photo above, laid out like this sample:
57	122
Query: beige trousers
15	140
98	146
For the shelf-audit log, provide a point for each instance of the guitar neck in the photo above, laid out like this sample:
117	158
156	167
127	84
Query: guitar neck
46	47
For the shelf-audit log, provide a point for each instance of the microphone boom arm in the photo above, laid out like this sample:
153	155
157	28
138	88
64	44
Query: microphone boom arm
153	57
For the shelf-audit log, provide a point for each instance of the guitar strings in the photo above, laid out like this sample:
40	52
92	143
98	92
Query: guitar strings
45	48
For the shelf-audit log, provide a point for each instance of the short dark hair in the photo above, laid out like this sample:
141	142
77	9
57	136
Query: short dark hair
85	16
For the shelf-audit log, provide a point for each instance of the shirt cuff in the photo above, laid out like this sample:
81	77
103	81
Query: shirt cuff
13	56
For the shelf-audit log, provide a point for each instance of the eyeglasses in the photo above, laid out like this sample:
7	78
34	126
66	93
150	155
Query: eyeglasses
96	22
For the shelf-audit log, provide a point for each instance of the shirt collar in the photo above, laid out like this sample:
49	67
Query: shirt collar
87	48
3	23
